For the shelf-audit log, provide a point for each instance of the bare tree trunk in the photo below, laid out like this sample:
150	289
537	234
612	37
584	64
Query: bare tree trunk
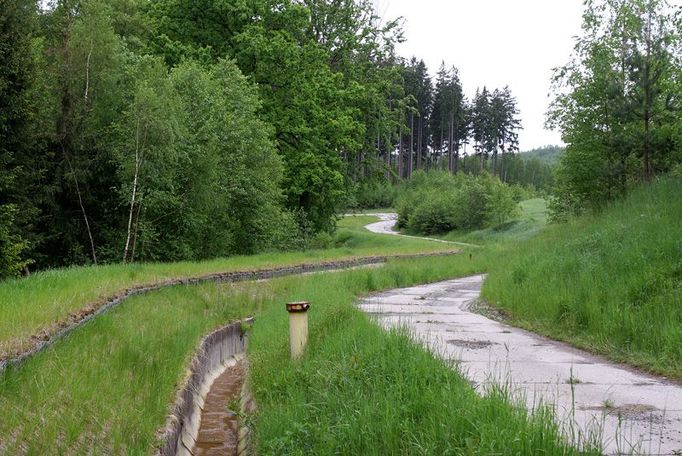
134	193
647	102
410	164
419	143
481	160
400	153
87	73
82	206
135	231
440	147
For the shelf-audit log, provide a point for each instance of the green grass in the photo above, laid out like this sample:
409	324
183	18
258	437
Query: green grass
39	303
107	387
531	220
610	283
362	390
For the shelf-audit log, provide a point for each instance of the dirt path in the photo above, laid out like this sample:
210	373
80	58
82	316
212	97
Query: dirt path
637	413
387	222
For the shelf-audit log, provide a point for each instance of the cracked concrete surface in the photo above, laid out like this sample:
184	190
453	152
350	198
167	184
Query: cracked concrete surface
636	413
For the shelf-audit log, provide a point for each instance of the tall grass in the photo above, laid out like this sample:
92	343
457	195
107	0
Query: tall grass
39	303
106	388
611	282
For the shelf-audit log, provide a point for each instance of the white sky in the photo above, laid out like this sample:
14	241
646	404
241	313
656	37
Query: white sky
494	43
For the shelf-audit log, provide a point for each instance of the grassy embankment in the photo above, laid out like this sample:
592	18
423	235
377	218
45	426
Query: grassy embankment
611	282
38	304
531	220
107	386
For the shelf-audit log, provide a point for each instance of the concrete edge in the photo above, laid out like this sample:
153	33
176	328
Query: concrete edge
218	351
41	344
247	407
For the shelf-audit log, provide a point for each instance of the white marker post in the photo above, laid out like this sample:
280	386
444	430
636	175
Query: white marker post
298	327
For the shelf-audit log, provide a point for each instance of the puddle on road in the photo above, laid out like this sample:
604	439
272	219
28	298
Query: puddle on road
638	412
472	344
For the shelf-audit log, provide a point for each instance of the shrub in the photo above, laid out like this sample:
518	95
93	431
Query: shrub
438	202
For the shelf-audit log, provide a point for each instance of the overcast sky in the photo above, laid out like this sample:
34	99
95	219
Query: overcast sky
494	43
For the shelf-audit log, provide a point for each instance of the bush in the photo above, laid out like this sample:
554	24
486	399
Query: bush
437	202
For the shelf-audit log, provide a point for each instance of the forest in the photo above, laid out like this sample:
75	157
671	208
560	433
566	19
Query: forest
184	130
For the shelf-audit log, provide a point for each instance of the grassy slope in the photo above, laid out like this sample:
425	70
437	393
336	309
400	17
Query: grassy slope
532	219
611	283
38	303
107	386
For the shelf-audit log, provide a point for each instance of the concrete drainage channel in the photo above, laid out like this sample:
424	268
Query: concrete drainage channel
200	422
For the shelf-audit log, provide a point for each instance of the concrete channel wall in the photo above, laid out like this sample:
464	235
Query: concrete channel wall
218	351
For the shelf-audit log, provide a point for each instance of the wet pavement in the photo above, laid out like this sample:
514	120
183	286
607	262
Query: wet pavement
634	412
219	428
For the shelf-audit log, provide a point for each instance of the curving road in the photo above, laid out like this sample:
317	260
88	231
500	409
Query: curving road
387	223
629	412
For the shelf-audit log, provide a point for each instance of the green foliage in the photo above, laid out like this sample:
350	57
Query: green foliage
11	245
373	194
438	202
207	173
17	18
616	102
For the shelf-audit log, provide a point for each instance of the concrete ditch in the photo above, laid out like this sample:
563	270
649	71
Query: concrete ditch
42	341
219	351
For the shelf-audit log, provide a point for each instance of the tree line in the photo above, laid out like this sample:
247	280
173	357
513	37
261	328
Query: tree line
441	122
136	130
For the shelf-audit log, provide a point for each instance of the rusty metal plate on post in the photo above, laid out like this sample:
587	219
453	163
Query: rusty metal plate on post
297	307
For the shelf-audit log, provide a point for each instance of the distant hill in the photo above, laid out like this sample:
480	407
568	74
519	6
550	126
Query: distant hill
546	154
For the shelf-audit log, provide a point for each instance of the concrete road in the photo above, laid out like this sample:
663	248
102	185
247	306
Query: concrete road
634	412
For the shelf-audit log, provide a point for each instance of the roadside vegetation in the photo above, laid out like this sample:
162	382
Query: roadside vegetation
108	386
362	390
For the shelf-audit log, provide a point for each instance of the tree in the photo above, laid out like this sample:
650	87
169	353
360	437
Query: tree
418	86
616	102
504	126
16	68
449	120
